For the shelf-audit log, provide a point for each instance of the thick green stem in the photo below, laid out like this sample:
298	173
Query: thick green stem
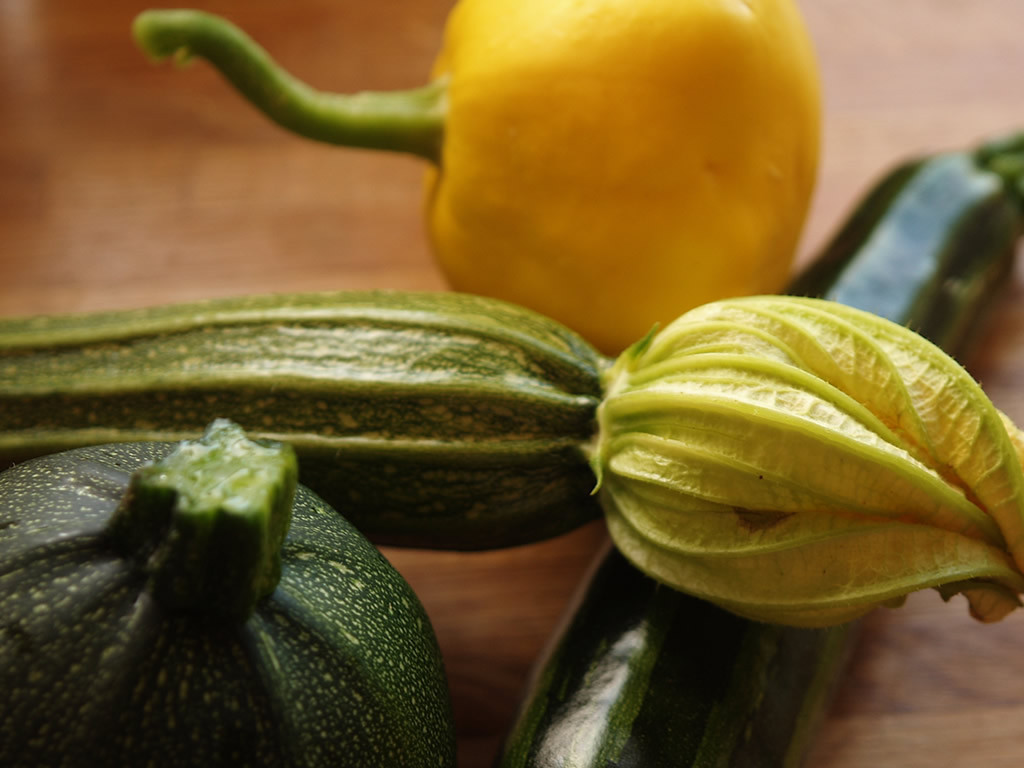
403	121
207	522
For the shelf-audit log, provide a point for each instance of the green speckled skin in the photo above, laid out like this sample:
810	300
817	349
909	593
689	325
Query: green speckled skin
338	667
435	420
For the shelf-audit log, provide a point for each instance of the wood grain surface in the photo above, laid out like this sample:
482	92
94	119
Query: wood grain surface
126	184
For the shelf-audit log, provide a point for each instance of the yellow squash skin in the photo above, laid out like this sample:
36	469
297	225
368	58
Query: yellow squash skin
613	163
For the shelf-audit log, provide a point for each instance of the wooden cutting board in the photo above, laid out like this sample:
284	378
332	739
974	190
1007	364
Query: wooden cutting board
124	184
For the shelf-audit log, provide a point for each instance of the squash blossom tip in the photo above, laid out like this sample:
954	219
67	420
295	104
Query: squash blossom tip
596	467
879	462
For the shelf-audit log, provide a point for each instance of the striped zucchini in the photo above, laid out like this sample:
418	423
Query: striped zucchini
435	419
641	675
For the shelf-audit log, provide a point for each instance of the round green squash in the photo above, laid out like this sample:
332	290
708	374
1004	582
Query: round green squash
267	632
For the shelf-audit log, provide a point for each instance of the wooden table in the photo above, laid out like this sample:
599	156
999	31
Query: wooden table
124	184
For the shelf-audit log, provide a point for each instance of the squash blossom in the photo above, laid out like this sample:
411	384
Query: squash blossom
800	462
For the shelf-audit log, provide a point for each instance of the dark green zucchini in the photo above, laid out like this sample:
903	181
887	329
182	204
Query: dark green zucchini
647	676
434	420
204	610
928	244
640	675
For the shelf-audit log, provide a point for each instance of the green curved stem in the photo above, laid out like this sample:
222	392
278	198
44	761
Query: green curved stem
206	523
403	121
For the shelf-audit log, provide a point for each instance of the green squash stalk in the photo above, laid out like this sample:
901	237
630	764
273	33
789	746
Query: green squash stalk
206	523
399	121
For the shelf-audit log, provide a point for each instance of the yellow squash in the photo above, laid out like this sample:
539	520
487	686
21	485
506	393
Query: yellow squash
610	163
613	163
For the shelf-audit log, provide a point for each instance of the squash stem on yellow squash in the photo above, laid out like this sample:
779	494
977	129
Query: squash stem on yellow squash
409	121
